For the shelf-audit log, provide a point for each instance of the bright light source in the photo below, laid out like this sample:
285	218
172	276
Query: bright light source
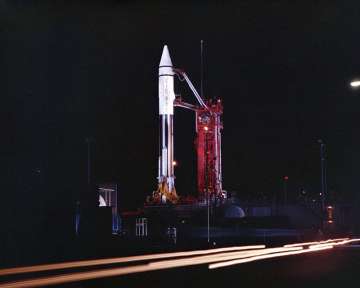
355	83
206	128
175	163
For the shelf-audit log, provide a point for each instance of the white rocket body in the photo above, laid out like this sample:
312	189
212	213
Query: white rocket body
166	112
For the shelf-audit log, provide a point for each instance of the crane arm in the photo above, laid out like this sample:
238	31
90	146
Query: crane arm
179	103
192	88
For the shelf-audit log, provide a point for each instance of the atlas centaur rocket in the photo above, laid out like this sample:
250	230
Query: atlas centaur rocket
166	178
208	126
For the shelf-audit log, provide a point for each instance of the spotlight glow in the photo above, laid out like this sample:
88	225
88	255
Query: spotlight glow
355	83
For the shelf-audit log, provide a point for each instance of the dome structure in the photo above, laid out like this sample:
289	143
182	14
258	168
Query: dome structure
234	211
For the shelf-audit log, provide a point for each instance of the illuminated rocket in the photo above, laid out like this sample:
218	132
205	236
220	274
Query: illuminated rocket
166	178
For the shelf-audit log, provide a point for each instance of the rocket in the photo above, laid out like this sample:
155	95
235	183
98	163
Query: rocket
166	178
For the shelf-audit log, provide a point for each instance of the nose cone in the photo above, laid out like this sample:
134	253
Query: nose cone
165	58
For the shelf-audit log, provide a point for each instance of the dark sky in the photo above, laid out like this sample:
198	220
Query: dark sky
73	70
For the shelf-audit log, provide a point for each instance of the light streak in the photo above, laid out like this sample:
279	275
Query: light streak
331	245
159	265
314	243
61	279
216	258
87	263
262	257
213	258
347	241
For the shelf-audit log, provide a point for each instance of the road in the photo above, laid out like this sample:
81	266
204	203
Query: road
319	264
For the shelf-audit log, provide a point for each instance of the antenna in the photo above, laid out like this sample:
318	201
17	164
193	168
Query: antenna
201	69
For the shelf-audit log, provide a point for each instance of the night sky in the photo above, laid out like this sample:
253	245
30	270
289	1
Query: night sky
76	70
